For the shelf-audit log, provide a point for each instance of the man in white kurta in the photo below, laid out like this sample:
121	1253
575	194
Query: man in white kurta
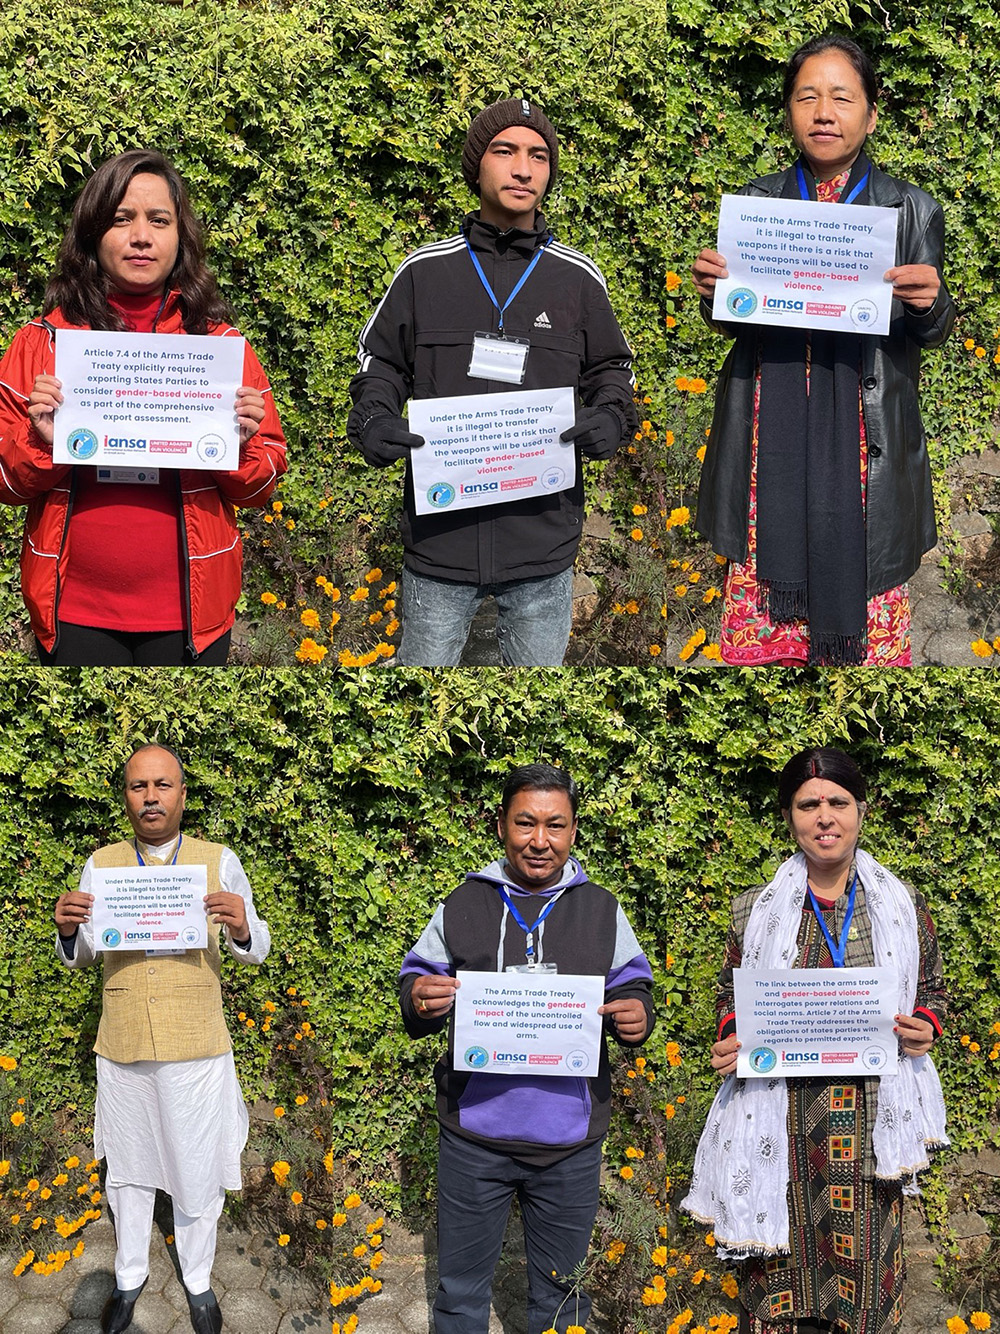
176	1124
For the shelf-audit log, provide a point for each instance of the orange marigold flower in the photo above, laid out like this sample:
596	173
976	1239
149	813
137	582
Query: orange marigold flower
981	648
695	642
673	281
636	534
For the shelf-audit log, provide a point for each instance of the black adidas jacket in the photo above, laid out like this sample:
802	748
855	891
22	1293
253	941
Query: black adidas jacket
417	345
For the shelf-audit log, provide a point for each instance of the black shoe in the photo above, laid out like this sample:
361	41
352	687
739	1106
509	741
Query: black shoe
206	1319
117	1314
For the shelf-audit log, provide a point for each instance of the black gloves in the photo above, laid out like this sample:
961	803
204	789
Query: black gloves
597	431
386	439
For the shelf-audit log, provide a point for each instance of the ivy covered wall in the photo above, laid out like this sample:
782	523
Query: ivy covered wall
356	806
321	141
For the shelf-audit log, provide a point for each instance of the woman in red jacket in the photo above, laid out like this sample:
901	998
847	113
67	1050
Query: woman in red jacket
127	571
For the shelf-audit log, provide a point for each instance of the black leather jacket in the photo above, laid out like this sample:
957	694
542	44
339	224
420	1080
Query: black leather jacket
899	508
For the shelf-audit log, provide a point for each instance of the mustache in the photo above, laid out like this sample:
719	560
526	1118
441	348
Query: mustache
155	809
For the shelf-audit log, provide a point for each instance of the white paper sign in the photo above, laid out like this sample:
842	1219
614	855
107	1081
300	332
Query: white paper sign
484	449
523	1023
148	400
150	907
816	1021
808	266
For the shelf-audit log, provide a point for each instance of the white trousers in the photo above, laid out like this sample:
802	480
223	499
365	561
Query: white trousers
132	1207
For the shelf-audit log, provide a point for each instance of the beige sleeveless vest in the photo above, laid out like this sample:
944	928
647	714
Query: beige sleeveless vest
166	1007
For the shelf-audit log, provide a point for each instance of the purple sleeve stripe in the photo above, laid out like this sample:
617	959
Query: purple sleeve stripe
413	963
636	970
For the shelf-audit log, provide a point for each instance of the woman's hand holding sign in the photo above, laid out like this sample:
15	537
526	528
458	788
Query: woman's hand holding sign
42	403
706	271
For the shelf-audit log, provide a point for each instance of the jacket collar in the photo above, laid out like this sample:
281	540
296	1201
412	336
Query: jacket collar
485	236
169	320
883	191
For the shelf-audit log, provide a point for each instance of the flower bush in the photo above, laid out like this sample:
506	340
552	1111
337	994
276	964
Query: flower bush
654	1270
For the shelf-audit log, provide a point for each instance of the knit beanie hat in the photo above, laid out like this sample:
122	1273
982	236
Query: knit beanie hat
501	116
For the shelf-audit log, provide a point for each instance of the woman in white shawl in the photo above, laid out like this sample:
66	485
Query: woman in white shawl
802	1180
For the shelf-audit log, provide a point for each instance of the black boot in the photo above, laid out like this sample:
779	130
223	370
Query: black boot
117	1314
206	1318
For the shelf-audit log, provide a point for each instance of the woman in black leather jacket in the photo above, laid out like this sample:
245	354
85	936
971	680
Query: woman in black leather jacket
816	483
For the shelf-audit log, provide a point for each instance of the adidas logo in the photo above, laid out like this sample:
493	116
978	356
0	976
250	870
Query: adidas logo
542	321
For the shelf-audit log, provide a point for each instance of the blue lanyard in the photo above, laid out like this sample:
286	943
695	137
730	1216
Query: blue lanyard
135	844
529	931
838	950
804	189
489	290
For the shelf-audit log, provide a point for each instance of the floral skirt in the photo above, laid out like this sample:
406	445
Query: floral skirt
846	1261
749	637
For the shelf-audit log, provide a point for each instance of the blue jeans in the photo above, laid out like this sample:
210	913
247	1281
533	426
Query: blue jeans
533	619
558	1207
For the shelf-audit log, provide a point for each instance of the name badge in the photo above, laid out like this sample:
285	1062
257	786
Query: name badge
497	358
147	476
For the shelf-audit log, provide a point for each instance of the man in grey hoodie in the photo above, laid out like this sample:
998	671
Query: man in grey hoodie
536	1136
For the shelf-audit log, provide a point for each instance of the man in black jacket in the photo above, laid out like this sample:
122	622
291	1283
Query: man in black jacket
506	278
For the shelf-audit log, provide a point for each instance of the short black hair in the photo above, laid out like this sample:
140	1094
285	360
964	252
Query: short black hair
154	745
820	762
539	778
861	61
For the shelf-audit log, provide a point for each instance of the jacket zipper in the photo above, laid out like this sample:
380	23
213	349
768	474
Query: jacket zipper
182	524
187	569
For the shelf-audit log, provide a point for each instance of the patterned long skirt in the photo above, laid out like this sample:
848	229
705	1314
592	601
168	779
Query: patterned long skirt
846	1261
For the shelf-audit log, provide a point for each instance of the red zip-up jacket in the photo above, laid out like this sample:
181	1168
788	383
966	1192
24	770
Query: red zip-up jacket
210	541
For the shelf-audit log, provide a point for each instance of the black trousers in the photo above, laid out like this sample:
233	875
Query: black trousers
86	646
558	1203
